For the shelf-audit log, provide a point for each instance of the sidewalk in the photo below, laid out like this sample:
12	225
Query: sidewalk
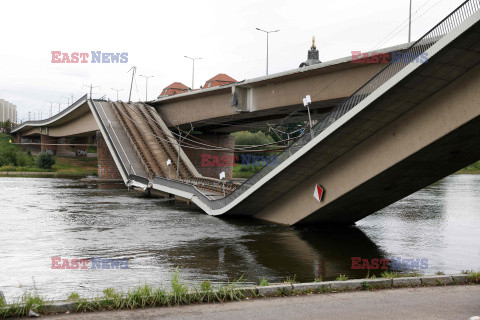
440	302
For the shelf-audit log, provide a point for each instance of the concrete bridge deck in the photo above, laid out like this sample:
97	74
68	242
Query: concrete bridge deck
407	127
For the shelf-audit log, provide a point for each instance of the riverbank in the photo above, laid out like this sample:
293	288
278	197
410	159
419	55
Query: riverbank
65	167
183	294
429	303
474	168
14	162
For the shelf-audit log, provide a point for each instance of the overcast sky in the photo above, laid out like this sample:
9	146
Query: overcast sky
158	34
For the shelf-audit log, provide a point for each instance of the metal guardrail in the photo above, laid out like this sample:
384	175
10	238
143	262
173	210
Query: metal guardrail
454	19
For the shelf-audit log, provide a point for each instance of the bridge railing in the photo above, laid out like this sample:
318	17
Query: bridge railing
453	20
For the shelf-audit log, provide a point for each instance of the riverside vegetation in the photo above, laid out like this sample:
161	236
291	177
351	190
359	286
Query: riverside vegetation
178	294
15	162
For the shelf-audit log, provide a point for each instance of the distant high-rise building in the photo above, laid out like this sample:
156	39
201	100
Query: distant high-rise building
312	56
8	111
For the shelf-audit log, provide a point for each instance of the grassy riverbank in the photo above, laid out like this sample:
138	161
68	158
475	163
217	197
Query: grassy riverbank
183	294
474	168
22	163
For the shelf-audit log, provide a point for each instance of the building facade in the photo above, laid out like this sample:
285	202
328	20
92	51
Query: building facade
8	111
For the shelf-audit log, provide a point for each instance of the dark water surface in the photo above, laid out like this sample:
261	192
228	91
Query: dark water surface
42	218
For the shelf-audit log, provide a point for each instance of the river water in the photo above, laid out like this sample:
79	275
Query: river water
41	218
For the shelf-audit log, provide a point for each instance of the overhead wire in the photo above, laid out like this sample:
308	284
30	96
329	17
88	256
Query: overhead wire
198	148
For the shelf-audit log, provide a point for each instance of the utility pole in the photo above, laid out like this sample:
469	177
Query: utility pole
267	32
91	88
59	104
131	84
193	69
410	22
28	115
117	91
146	86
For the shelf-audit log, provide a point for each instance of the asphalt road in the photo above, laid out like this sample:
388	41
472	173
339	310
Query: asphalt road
449	302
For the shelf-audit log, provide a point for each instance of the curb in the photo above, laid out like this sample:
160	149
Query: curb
318	287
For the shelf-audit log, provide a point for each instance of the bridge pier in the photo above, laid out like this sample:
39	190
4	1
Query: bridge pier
107	169
211	163
46	143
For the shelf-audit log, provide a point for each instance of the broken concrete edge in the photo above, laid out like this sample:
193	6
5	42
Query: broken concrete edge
312	287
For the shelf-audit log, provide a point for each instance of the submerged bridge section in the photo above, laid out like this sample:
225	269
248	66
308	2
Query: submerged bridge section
410	125
143	147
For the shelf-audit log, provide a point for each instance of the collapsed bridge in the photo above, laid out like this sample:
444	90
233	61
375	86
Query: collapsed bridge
409	125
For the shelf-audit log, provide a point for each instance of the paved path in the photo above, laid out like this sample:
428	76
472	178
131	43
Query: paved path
450	302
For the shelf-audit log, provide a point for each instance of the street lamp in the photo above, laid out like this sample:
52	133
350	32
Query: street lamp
410	22
117	91
146	88
307	101
267	32
193	68
51	106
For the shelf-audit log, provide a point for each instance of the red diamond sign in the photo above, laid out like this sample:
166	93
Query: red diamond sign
318	193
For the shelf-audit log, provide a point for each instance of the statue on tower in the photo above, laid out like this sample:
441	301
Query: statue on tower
312	56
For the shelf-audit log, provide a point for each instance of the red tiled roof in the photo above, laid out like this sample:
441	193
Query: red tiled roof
222	77
176	85
174	88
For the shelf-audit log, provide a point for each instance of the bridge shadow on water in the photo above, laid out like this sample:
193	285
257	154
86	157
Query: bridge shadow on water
276	252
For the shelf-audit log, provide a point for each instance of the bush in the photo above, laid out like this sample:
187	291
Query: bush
11	157
45	160
248	138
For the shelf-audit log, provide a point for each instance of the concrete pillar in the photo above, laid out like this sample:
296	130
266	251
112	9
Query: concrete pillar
107	169
64	151
81	151
46	141
211	163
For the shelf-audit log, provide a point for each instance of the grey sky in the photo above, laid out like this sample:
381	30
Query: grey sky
158	34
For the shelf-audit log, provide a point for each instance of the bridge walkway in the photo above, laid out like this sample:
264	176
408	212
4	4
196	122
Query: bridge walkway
150	145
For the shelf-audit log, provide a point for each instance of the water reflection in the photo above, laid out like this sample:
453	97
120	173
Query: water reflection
42	218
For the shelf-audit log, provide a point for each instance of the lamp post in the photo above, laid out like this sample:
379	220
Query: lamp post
193	69
68	100
410	22
117	91
146	87
267	32
307	101
169	163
